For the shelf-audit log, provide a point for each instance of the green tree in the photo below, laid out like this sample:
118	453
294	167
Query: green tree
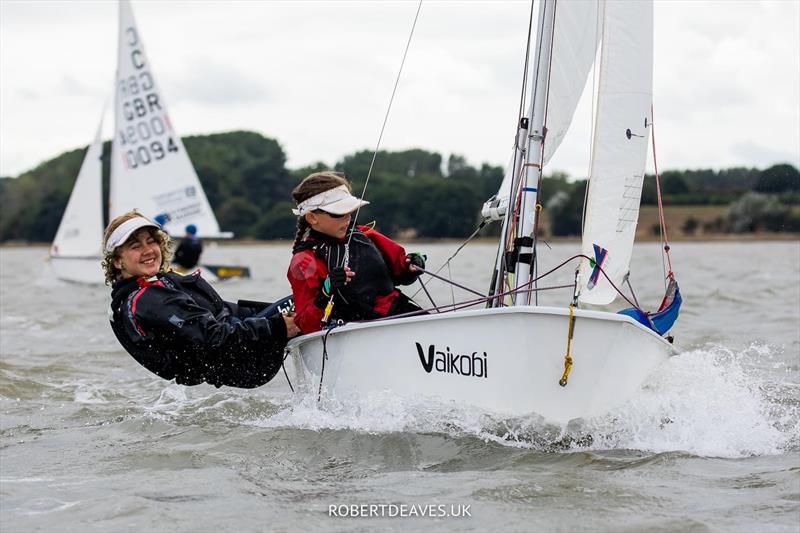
756	211
239	216
690	226
673	182
778	178
565	210
408	163
300	174
444	208
277	223
32	204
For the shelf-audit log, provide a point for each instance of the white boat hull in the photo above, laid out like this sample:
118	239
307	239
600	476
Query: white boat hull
506	361
88	270
78	269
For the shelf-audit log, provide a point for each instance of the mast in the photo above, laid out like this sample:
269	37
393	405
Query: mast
115	156
564	52
525	241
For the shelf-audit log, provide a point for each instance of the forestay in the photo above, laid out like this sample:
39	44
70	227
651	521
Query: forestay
576	34
619	148
150	169
81	230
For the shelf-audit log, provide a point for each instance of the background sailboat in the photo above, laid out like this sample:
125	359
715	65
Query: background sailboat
150	170
511	360
75	253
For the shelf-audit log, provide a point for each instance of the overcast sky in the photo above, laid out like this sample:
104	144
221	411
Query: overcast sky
317	77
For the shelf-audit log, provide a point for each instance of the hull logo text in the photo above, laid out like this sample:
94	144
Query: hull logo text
473	364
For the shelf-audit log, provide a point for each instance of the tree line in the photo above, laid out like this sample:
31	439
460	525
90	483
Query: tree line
412	192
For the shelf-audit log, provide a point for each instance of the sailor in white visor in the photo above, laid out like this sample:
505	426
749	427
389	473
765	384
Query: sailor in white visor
337	201
146	254
179	327
356	268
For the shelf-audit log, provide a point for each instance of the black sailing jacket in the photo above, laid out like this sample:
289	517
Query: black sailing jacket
179	328
188	253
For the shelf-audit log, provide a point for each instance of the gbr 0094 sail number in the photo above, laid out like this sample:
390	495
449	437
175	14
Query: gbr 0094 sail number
144	131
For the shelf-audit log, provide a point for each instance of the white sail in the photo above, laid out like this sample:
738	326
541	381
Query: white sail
150	169
620	145
576	34
80	232
575	38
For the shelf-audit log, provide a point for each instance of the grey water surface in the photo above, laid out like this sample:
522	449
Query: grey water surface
90	441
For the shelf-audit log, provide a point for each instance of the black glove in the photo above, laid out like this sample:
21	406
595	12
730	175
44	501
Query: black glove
416	259
336	280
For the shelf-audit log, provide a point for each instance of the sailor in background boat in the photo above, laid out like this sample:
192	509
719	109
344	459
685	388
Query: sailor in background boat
355	268
187	255
177	326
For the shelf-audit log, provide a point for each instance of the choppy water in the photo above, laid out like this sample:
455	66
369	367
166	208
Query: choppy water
91	442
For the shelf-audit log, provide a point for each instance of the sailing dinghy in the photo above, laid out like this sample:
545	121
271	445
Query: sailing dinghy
75	253
150	170
509	357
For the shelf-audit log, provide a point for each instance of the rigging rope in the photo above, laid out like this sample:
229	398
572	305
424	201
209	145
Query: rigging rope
498	279
538	207
428	294
324	358
386	117
528	287
524	91
329	307
467	303
568	355
283	366
447	262
662	220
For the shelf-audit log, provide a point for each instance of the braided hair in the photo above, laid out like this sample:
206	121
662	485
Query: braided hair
314	184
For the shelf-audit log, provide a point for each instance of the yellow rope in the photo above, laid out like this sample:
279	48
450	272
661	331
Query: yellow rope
328	309
568	356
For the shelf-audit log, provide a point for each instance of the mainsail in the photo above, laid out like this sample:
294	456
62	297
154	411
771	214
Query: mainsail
150	169
567	40
81	230
575	38
620	147
569	36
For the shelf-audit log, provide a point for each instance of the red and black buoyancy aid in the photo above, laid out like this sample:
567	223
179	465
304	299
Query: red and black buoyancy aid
356	300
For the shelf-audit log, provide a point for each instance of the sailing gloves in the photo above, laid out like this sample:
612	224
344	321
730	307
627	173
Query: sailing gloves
415	259
336	280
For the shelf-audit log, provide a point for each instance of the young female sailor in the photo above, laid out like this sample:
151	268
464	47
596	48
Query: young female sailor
177	326
359	266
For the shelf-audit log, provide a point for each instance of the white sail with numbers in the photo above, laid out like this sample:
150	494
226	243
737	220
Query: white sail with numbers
150	169
619	152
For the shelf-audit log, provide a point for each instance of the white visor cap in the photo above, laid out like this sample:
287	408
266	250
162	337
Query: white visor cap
125	230
337	201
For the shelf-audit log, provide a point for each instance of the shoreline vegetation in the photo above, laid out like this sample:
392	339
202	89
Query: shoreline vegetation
418	196
720	237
